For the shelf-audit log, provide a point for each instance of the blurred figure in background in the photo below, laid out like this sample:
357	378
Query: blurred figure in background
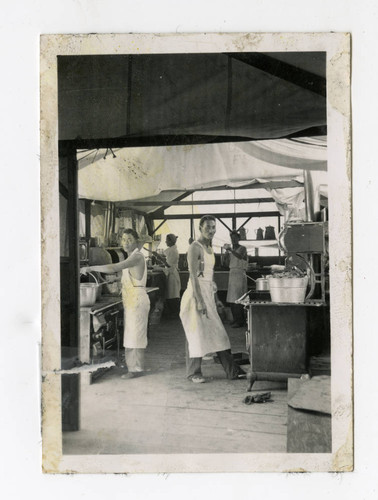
173	277
236	259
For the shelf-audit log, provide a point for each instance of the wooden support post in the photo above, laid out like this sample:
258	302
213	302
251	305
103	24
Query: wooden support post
87	219
73	243
70	292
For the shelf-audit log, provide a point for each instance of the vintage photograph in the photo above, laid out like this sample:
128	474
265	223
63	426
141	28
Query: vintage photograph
196	253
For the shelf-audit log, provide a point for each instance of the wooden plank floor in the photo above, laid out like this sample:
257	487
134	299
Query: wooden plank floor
163	412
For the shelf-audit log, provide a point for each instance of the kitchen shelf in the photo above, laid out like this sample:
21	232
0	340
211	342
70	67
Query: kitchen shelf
259	243
312	303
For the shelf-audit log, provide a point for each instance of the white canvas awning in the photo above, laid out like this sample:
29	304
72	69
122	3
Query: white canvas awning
138	173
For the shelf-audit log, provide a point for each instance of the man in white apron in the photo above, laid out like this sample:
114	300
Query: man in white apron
203	327
135	301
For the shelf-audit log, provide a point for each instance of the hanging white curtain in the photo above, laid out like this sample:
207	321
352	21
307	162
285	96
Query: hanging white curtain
141	172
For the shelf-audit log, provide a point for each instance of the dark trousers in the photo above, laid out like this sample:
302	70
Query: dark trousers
237	311
172	308
193	365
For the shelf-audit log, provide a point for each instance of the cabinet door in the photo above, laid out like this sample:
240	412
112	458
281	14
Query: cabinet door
279	339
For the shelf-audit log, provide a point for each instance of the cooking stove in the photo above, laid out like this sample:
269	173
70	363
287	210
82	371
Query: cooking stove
101	333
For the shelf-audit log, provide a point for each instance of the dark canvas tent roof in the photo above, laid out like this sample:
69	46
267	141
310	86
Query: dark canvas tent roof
160	99
172	100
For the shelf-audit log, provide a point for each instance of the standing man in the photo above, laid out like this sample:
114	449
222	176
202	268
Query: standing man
173	277
236	259
203	327
136	302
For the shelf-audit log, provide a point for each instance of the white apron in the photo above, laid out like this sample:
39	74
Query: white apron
136	305
172	273
204	334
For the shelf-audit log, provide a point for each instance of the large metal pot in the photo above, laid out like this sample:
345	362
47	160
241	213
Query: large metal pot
88	294
290	289
262	284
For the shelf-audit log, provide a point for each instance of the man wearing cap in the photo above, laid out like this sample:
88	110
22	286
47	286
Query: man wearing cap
237	259
173	278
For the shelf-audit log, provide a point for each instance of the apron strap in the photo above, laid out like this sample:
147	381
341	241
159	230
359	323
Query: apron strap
202	259
144	270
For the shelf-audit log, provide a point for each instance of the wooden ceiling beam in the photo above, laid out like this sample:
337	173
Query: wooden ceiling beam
194	202
217	216
280	69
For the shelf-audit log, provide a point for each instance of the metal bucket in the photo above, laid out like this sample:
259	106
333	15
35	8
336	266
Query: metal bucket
88	294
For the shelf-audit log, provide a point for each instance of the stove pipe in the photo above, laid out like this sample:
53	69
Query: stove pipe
312	199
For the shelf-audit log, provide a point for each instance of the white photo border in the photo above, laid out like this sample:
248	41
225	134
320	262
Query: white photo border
337	47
